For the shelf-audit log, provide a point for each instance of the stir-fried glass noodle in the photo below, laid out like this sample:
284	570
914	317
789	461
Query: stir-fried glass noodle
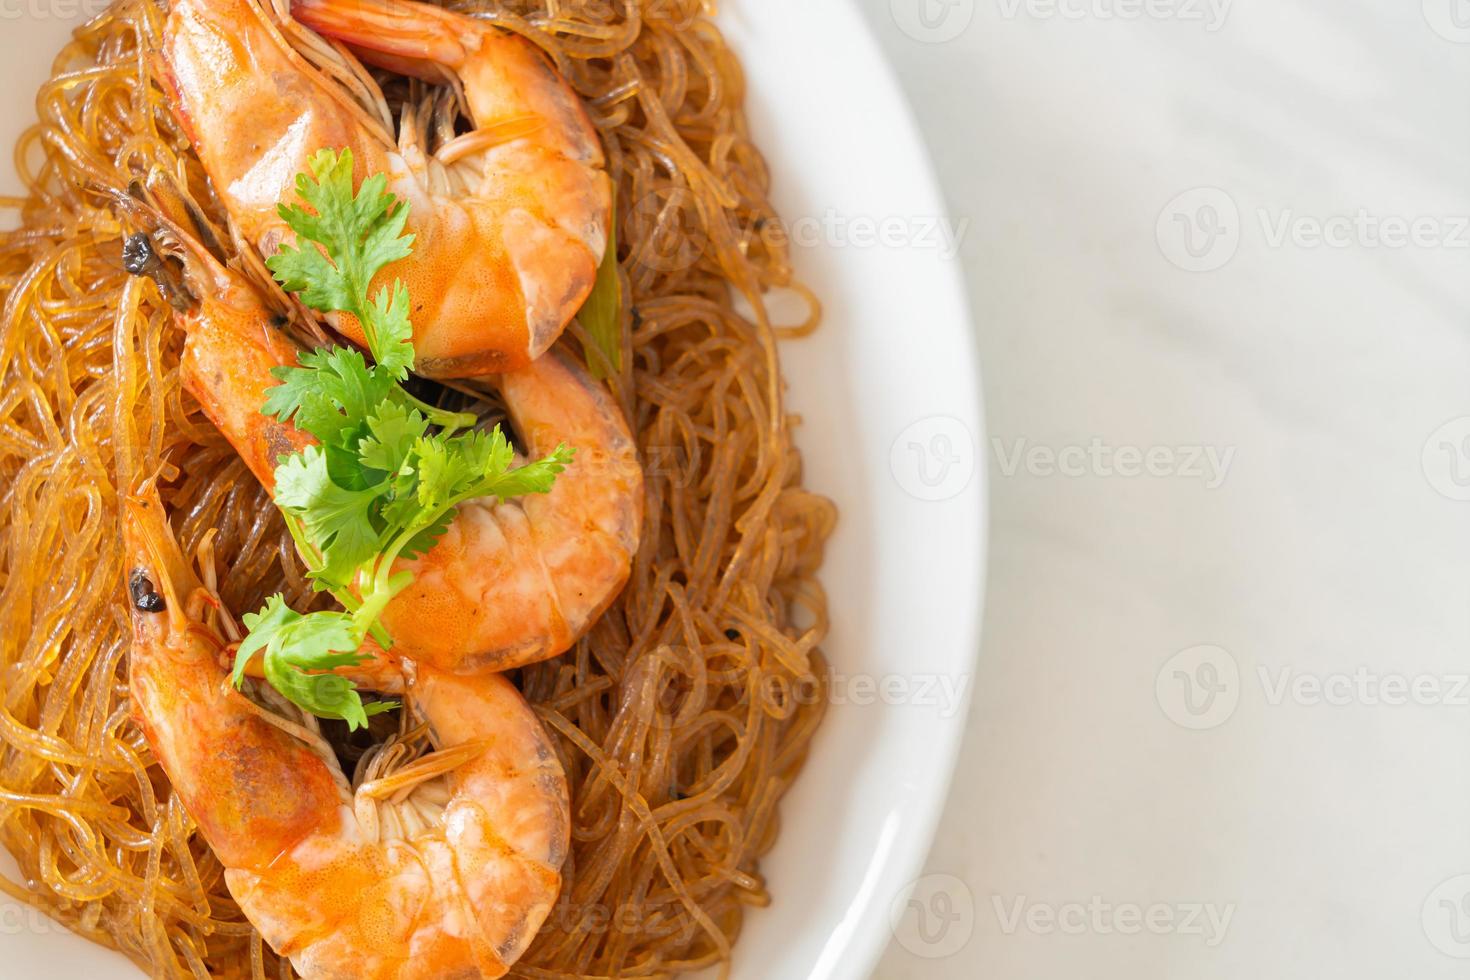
681	718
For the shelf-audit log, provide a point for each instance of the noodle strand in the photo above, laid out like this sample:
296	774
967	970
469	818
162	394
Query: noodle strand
681	718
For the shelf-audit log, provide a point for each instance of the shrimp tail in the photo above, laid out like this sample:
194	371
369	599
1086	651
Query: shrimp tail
388	34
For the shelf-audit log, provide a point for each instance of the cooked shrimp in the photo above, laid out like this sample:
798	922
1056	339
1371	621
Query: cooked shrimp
452	880
510	583
519	581
511	219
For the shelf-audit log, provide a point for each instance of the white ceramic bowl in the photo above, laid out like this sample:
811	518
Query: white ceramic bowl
889	396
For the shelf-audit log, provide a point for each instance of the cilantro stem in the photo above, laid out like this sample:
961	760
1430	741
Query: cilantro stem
308	551
385	586
449	421
363	627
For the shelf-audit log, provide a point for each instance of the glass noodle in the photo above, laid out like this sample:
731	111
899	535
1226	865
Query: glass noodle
683	716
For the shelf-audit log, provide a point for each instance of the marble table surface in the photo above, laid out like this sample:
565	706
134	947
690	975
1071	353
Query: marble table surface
1217	253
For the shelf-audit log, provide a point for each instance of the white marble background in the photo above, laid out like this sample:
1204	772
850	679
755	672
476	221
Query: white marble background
1233	688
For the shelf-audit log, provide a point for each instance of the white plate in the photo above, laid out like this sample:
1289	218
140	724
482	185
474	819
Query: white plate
889	395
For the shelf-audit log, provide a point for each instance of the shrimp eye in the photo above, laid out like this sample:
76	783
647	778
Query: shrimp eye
138	255
141	590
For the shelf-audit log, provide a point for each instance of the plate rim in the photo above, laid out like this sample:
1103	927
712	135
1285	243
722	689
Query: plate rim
873	929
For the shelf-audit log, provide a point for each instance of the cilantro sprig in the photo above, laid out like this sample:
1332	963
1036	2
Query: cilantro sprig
388	472
359	235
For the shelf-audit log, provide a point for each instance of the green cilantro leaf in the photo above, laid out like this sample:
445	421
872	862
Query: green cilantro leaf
338	521
388	473
439	472
348	239
390	314
534	477
429	535
487	460
484	453
392	431
329	394
299	653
